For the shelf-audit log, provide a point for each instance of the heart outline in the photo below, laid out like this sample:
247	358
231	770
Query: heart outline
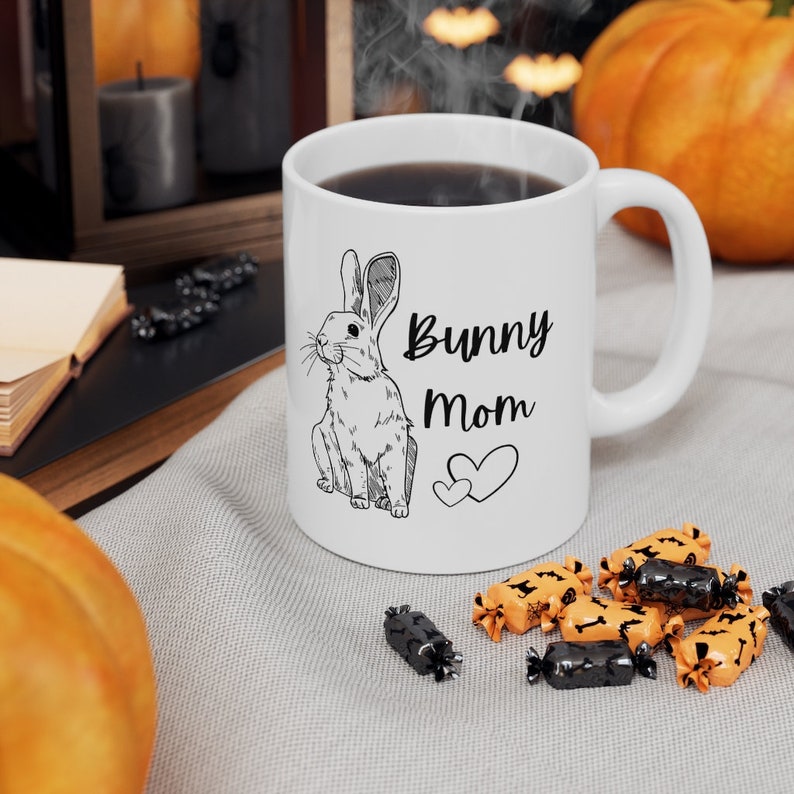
454	494
481	473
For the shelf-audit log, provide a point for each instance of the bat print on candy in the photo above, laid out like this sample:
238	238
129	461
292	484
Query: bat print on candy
690	591
688	545
720	650
589	663
362	446
415	637
591	618
518	603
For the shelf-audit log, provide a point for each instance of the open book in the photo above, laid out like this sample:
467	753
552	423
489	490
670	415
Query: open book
53	317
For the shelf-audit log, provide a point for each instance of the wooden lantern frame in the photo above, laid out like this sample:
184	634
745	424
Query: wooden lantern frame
145	243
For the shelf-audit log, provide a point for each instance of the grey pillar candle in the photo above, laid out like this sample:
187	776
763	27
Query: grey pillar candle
148	144
244	102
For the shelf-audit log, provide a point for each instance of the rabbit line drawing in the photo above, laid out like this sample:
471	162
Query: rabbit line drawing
362	446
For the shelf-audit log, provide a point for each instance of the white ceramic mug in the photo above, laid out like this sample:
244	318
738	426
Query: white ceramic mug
440	403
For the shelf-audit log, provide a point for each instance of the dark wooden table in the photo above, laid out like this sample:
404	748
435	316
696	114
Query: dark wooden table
137	402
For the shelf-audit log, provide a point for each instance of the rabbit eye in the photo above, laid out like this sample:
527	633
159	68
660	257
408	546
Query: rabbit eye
352	330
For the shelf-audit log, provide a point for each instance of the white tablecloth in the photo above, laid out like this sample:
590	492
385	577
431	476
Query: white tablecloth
274	675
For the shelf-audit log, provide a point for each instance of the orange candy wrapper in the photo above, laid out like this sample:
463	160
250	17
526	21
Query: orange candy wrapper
721	649
591	618
687	545
517	603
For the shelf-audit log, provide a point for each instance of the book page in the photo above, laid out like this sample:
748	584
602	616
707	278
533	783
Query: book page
14	396
16	364
47	308
111	316
14	426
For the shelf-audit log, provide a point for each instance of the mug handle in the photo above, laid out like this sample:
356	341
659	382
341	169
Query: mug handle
663	386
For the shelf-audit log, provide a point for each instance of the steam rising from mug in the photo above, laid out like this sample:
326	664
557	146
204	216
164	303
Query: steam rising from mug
401	68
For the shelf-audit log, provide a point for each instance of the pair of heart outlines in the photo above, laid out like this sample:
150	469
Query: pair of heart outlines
477	481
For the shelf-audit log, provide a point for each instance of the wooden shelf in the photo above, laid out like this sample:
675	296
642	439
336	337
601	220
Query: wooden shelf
322	91
120	456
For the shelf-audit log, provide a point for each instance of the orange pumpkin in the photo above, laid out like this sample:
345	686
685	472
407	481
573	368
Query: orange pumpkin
77	688
700	92
163	35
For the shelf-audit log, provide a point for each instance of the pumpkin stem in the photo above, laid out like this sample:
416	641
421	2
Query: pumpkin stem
780	8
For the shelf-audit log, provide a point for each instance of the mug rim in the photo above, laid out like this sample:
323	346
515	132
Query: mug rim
291	165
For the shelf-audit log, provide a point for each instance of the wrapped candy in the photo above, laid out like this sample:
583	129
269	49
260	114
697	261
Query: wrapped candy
691	591
572	665
688	545
172	317
780	603
219	274
591	618
721	649
517	603
414	636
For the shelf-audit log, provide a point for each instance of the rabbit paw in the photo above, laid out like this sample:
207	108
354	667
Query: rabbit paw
325	484
398	511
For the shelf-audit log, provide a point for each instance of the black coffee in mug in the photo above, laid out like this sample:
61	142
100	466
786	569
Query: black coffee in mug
440	184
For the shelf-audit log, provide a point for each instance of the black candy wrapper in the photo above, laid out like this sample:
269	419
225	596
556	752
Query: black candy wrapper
172	317
780	603
573	665
415	637
219	274
198	297
685	586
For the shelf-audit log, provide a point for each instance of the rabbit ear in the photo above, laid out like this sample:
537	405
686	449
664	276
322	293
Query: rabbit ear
381	289
351	282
